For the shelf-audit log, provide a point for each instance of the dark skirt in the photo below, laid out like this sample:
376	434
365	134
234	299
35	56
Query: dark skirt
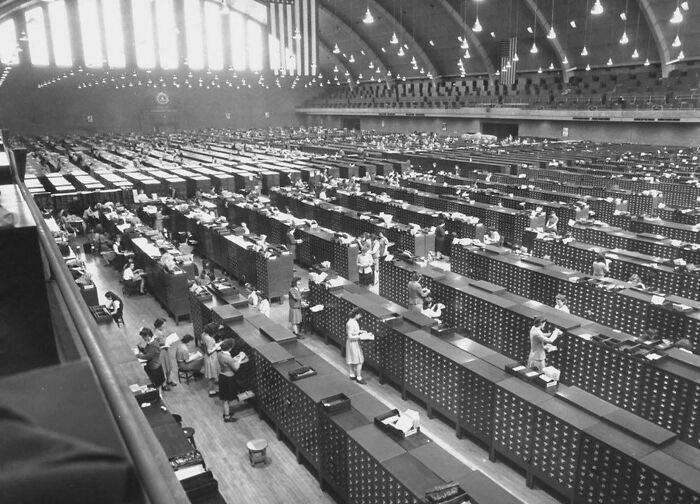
367	278
228	389
156	375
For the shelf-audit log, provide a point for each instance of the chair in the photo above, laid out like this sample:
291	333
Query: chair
118	319
187	374
257	449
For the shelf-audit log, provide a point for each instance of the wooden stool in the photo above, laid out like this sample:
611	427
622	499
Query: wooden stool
257	452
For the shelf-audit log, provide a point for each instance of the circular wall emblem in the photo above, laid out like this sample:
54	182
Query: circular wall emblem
162	98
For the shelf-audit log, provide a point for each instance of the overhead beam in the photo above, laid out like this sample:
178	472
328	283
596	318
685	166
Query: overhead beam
325	46
405	35
657	32
471	36
556	45
356	37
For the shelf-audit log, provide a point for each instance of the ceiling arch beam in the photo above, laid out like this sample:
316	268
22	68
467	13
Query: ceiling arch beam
556	45
658	34
355	36
471	36
404	35
325	46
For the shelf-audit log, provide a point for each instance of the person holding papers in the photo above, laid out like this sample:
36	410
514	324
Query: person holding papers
538	339
149	351
186	360
165	341
167	260
353	351
228	366
560	301
551	224
263	304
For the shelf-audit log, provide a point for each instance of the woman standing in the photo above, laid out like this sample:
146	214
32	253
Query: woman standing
228	365
364	265
166	356
295	303
353	351
263	304
560	301
149	350
538	338
600	267
211	363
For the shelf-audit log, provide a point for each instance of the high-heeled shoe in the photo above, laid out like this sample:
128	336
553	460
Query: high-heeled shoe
230	418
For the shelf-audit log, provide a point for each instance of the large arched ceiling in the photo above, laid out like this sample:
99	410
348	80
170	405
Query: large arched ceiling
428	31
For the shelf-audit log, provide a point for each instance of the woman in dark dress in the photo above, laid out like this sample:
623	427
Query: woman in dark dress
229	365
295	305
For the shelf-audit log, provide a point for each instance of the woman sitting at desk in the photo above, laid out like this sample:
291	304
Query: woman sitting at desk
493	237
132	275
560	305
551	224
186	360
167	260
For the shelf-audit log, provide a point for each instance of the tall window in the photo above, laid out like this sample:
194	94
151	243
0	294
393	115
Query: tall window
215	49
90	30
114	33
143	34
238	41
193	31
167	34
255	45
36	32
58	20
9	55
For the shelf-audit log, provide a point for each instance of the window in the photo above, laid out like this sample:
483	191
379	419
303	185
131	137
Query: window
143	33
90	30
193	31
255	45
114	33
58	20
252	8
167	34
215	49
8	43
36	32
238	41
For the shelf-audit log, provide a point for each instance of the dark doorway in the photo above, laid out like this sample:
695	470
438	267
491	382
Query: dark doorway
500	130
351	123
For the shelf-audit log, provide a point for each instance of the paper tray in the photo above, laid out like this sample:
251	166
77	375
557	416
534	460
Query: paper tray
390	430
335	403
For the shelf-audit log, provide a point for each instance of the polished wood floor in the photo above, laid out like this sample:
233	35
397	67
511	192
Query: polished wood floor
223	444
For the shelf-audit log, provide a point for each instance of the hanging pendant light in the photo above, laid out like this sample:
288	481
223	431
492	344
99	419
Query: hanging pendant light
429	76
477	26
677	16
551	66
368	18
635	54
597	8
498	72
465	44
335	69
336	49
685	6
400	53
508	65
394	39
346	73
351	59
609	62
676	42
533	49
552	34
466	54
422	71
624	40
539	70
388	73
681	55
572	23
588	68
646	62
371	64
584	51
516	57
565	61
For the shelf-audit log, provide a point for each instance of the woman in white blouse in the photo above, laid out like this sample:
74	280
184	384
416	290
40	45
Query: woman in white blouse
353	351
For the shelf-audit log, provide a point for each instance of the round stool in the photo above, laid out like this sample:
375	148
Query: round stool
189	434
257	451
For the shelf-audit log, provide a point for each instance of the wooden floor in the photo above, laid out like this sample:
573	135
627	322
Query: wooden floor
223	444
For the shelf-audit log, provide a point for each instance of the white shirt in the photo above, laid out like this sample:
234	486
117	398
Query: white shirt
563	308
352	329
128	274
264	307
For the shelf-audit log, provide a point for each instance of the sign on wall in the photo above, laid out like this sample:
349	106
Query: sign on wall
162	98
565	132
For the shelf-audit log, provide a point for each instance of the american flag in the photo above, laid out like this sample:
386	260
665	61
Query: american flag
292	27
